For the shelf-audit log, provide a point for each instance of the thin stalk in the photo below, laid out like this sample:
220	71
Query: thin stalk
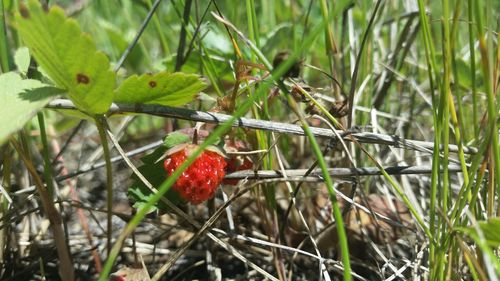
331	48
447	100
157	24
432	70
4	47
4	201
262	113
6	163
210	71
5	59
47	171
354	77
66	270
337	213
182	36
458	139
444	108
488	84
199	21
472	51
263	138
100	124
253	25
490	198
434	195
477	160
207	66
330	43
137	36
457	119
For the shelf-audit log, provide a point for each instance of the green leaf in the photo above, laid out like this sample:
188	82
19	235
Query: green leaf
174	139
139	193
487	240
171	140
218	63
118	45
463	73
68	56
21	99
490	231
163	88
22	60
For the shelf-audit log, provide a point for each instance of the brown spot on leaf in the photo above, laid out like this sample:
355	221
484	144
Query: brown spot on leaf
82	78
24	12
152	84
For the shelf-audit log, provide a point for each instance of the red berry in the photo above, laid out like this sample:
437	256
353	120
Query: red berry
200	180
237	163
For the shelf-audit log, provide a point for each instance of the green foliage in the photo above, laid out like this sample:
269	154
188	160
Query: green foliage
487	236
23	98
140	194
118	44
174	139
162	88
153	171
463	73
192	65
489	230
68	56
22	60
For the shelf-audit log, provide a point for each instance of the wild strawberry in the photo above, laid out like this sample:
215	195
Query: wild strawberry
200	180
236	162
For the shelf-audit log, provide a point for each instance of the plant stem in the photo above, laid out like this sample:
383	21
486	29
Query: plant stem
487	65
331	48
182	36
66	270
337	213
4	48
100	123
472	51
47	171
157	23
